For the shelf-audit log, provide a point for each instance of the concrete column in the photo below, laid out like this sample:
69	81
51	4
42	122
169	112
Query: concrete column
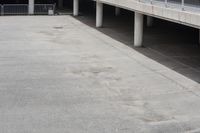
31	4
149	21
60	4
138	29
99	14
117	11
76	7
199	36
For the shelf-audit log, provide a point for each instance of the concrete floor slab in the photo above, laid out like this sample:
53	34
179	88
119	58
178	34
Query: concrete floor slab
60	75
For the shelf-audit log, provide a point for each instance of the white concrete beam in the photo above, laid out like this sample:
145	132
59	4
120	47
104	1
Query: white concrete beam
138	29
149	21
117	11
189	17
31	4
60	4
76	7
99	14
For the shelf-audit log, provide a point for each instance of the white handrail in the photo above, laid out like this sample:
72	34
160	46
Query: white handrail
184	5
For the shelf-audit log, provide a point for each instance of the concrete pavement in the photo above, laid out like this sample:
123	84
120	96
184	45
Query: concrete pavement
59	75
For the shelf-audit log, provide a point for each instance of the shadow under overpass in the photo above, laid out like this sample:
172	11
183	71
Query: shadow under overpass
172	45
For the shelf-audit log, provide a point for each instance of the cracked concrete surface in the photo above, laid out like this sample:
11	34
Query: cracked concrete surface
59	75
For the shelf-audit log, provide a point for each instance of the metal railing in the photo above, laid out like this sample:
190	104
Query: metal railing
22	9
14	9
188	5
44	9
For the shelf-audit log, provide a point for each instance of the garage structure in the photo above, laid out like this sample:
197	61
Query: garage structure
60	75
186	12
178	11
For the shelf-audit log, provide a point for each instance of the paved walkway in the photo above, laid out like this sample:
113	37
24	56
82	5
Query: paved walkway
58	75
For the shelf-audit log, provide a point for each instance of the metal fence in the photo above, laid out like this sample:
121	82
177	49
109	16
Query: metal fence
188	5
44	9
22	9
14	9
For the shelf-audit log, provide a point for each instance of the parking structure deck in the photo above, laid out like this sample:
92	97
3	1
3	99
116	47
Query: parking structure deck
60	75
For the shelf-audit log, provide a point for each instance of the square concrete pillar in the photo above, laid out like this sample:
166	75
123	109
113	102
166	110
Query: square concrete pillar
31	5
199	36
117	11
99	14
149	21
75	7
138	29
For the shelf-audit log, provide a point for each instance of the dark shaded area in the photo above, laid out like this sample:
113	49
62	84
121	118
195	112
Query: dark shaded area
173	45
26	1
87	3
13	1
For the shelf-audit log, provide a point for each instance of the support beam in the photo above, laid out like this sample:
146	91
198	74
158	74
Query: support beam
31	4
138	29
149	21
117	11
60	4
76	7
99	14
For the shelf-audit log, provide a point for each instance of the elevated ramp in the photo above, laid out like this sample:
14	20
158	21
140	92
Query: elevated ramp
171	11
